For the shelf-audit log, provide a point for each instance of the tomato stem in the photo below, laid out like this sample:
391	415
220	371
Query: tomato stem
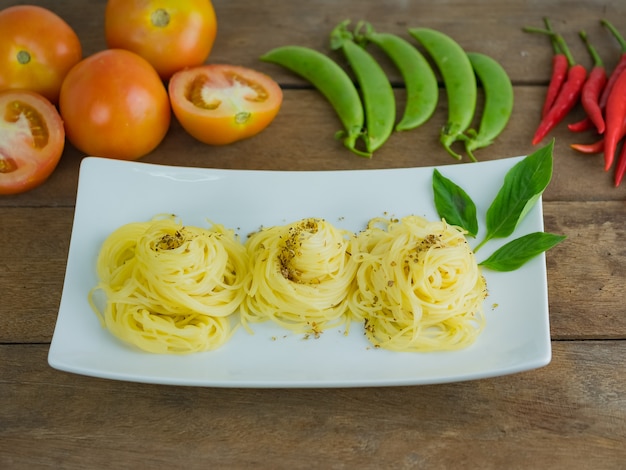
160	18
23	57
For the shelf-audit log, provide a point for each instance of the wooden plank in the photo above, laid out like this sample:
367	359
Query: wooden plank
570	414
586	272
495	28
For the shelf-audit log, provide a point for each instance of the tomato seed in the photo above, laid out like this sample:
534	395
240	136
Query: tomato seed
38	127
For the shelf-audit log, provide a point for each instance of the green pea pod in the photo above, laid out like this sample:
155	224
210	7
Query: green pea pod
332	81
378	99
459	80
498	102
422	90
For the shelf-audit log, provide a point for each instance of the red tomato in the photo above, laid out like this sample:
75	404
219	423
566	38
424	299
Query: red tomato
31	140
114	105
169	34
37	49
220	104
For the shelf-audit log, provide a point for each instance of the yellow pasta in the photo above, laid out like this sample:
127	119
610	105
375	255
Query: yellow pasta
171	288
419	286
301	275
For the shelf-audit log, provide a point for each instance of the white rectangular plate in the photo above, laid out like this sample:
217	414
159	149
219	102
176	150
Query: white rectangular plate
112	193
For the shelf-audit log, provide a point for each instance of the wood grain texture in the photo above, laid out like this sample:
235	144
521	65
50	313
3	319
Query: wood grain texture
570	414
572	411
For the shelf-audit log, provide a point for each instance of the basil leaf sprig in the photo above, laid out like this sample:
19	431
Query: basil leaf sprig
452	200
523	185
516	253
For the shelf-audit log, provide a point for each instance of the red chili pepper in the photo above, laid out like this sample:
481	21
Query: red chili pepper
560	66
619	68
597	146
583	125
589	149
621	163
621	166
615	115
568	95
594	85
559	72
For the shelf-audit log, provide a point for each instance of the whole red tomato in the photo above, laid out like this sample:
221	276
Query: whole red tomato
114	105
31	140
37	49
170	34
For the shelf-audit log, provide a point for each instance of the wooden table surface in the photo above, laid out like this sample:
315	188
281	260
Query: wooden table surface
569	414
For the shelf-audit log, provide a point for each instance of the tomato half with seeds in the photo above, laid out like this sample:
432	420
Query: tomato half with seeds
221	104
31	140
114	105
170	34
37	49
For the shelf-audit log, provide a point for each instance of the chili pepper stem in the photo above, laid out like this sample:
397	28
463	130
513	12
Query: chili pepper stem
619	68
616	34
555	44
559	40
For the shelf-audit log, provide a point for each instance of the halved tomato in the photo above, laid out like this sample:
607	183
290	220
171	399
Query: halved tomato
31	140
221	104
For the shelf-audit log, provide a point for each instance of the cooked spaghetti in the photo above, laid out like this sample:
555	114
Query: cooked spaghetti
419	286
170	288
301	274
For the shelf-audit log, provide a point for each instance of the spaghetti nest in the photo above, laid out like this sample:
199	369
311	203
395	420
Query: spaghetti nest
301	275
419	286
170	288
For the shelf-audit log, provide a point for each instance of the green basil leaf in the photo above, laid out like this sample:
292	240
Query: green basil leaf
517	252
454	204
522	187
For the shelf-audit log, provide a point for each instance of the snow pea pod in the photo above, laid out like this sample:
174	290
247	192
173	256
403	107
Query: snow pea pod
498	102
332	81
378	98
422	90
459	80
